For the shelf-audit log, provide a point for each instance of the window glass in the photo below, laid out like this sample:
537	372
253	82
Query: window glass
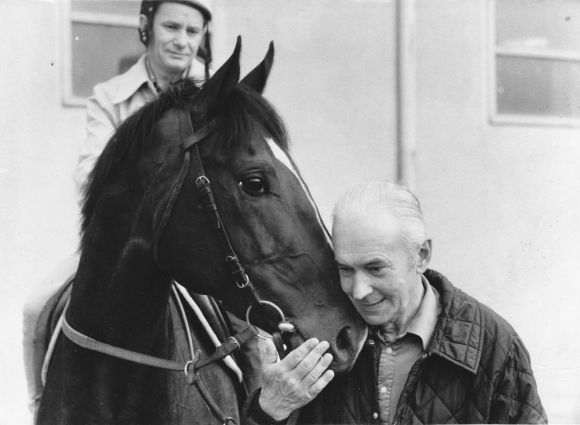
116	7
101	42
100	52
539	24
537	66
538	87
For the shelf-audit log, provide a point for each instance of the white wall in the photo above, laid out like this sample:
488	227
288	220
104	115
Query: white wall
502	201
332	82
38	140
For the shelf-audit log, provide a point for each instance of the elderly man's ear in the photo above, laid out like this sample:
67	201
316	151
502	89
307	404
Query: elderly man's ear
424	256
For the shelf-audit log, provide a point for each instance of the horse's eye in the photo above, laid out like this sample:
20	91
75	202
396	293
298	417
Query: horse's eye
254	185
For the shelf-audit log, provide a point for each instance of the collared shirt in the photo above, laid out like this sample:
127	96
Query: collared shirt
110	104
398	357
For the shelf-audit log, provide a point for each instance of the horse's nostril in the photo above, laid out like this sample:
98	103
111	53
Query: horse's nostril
344	339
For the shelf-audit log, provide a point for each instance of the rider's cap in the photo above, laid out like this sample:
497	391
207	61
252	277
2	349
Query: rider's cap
148	7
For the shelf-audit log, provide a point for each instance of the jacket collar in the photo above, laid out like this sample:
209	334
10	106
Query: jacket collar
131	81
136	76
459	332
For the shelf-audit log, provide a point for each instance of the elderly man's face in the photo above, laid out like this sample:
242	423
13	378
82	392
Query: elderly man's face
375	268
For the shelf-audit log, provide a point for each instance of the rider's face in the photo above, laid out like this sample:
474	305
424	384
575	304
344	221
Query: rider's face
176	35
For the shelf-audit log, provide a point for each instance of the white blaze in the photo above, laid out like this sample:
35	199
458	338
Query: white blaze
281	156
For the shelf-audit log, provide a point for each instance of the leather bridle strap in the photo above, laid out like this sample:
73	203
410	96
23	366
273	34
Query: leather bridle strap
89	343
191	138
230	345
190	368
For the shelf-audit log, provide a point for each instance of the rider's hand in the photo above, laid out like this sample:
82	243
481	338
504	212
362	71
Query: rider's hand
294	381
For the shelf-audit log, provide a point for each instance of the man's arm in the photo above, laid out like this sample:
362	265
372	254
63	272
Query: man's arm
101	124
516	398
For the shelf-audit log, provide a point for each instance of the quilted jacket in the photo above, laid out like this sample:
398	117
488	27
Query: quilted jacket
476	370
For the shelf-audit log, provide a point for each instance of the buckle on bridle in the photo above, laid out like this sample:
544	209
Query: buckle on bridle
244	283
189	369
240	276
202	182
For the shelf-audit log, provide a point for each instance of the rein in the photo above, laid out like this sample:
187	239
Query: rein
190	368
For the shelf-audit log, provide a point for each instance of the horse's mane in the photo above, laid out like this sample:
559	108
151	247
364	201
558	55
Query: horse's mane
244	113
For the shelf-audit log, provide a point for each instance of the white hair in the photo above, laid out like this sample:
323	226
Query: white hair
394	199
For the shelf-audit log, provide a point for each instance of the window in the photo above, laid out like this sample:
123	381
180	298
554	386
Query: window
536	66
100	40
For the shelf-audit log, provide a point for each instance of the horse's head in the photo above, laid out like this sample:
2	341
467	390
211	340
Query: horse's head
265	213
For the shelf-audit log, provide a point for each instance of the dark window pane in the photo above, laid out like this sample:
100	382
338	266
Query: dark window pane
538	87
115	47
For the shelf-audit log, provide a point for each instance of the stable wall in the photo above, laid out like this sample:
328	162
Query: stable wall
501	201
332	82
38	149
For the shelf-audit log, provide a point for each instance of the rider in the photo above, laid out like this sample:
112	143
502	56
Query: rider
176	34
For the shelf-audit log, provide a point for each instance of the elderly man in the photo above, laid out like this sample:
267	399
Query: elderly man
434	353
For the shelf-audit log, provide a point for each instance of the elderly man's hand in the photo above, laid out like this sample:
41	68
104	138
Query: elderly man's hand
296	380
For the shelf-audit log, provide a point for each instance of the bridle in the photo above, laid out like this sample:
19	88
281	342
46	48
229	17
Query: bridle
190	138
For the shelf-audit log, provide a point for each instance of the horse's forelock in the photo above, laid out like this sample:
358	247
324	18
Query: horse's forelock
246	115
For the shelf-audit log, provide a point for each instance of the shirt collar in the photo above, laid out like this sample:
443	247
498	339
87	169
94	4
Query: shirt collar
133	79
423	324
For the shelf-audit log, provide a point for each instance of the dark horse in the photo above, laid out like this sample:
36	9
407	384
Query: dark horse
146	222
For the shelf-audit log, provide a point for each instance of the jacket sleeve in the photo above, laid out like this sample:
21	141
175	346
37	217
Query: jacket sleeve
516	398
101	124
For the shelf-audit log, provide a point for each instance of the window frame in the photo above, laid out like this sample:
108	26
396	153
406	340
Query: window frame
68	18
554	55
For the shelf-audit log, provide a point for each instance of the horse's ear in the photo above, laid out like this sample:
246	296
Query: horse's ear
220	85
257	78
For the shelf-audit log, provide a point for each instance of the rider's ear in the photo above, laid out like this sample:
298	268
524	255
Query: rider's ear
258	77
217	89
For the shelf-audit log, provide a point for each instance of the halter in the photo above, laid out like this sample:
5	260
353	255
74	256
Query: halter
192	159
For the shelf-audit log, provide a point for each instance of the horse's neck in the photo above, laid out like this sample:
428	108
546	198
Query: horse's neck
120	295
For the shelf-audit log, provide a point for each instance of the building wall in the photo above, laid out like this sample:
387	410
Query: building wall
38	148
332	82
501	201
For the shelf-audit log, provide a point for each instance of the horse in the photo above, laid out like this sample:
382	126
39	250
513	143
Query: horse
197	187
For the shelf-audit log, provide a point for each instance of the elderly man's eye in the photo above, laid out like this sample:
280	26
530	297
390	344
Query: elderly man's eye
376	269
344	270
